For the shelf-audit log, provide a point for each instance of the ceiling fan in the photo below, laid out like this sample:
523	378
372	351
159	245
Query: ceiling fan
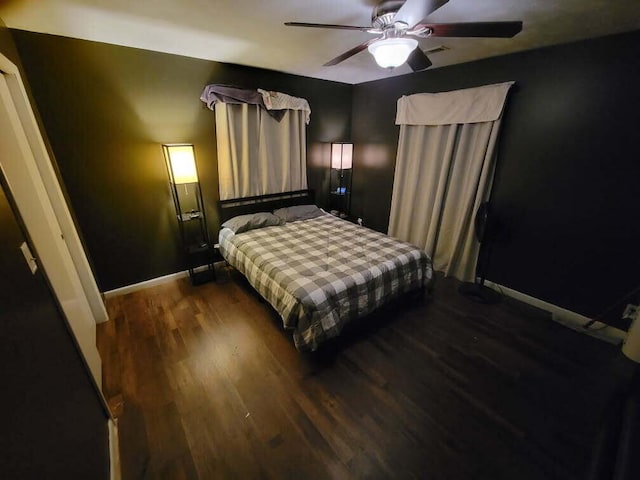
397	21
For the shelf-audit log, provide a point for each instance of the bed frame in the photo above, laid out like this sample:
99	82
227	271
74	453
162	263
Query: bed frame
263	203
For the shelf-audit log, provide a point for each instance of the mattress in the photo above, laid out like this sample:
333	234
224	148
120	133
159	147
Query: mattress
321	273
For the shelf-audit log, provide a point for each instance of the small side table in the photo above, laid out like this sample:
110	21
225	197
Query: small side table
348	218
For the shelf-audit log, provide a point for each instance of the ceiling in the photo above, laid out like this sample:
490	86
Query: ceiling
251	32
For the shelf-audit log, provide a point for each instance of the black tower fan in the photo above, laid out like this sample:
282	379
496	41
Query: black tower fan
484	229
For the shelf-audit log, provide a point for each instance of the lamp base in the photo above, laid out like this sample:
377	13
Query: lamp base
478	293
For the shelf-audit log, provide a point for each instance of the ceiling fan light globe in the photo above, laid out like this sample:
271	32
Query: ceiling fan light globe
392	52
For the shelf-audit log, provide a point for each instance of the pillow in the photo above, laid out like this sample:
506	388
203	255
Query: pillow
244	223
298	212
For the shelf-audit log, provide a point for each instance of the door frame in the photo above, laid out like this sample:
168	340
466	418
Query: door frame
38	197
33	183
56	196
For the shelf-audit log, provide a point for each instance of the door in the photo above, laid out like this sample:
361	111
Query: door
29	193
54	424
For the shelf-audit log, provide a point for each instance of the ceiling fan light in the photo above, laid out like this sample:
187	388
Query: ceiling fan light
392	52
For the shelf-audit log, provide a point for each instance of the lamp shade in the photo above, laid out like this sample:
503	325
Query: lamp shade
181	162
341	155
392	52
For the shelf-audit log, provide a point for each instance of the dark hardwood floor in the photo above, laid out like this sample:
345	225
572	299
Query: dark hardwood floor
206	384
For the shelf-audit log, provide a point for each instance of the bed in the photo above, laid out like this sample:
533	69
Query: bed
319	273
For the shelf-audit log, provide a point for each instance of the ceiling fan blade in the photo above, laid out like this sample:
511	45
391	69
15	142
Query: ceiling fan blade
326	25
350	53
414	11
418	60
474	29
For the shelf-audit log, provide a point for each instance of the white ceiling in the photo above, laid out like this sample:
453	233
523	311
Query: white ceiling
251	32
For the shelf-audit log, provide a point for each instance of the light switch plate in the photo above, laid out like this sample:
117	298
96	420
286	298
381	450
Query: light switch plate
31	260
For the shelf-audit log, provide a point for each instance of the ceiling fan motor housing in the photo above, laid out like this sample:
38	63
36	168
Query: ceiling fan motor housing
383	13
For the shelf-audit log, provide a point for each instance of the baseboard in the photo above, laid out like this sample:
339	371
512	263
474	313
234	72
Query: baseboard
150	283
114	451
146	284
561	315
566	317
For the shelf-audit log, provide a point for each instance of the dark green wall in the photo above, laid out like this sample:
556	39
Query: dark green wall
108	109
566	186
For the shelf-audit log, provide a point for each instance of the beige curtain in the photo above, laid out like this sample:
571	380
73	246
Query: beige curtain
443	174
257	154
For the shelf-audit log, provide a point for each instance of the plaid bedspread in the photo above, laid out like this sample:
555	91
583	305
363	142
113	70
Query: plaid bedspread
318	274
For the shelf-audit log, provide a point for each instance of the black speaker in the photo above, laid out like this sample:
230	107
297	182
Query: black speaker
484	226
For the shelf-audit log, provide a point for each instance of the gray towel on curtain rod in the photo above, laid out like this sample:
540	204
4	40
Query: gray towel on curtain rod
214	93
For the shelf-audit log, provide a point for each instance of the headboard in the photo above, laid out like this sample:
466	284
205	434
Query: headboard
263	203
